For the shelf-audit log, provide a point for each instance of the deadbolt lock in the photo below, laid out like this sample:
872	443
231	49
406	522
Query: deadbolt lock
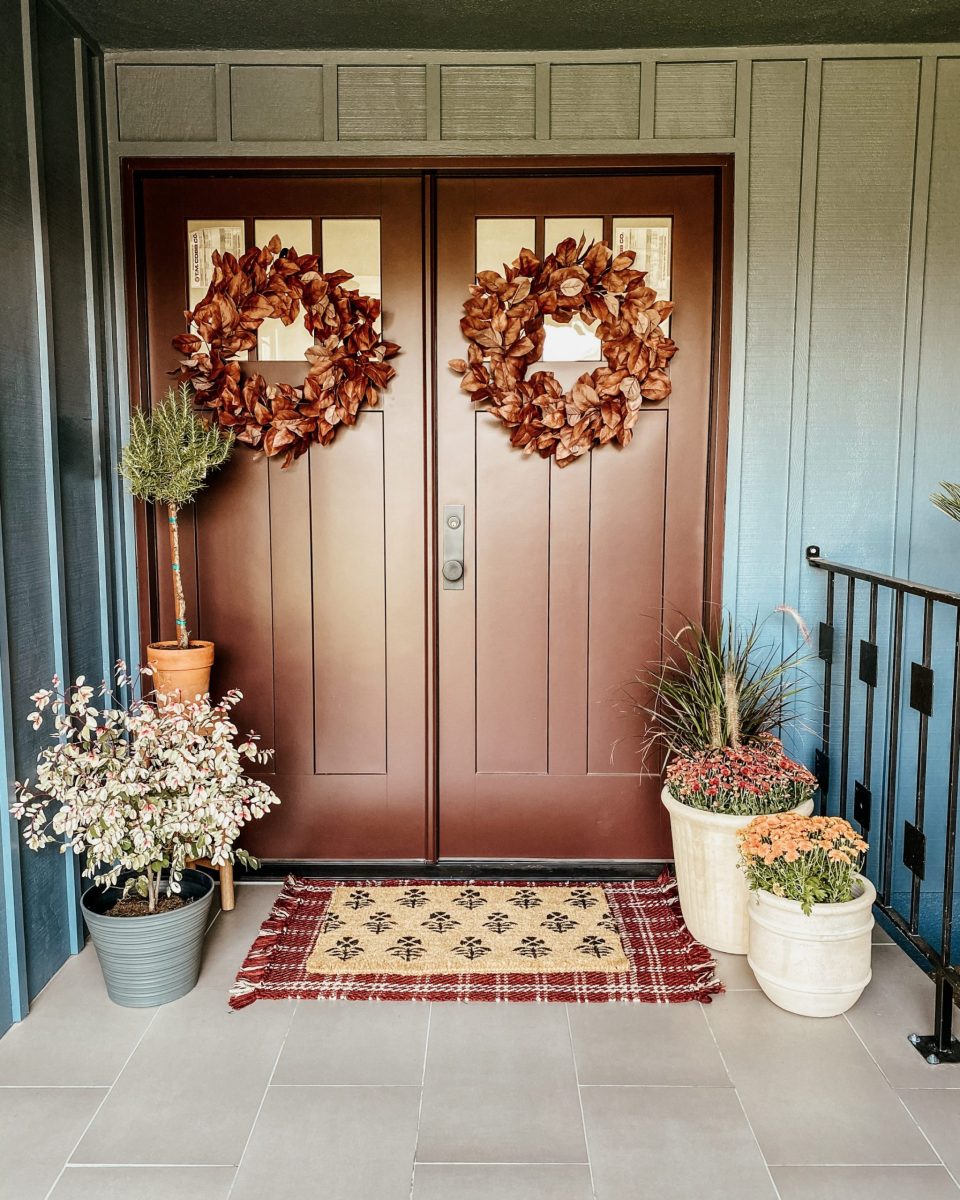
452	557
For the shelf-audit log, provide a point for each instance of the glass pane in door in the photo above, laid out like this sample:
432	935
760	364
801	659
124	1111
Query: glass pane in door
576	341
277	342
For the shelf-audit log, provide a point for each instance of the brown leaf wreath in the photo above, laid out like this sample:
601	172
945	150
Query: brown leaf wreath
347	364
503	323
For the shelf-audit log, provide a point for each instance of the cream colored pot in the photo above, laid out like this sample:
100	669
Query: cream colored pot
712	887
816	966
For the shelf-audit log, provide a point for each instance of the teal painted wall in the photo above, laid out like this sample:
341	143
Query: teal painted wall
53	615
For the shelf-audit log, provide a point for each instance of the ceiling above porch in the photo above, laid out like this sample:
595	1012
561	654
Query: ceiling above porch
505	24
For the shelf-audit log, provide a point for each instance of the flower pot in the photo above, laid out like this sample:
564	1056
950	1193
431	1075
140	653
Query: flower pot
181	674
149	960
816	966
712	887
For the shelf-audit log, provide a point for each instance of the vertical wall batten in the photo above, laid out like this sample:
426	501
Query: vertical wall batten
910	376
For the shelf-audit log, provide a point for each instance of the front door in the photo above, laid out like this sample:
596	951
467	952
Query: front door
413	721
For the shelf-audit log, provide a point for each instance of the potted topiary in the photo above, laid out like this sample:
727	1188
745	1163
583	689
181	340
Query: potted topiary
142	787
810	912
167	460
717	703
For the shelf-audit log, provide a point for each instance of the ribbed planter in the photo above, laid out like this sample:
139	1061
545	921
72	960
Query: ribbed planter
149	960
816	966
712	887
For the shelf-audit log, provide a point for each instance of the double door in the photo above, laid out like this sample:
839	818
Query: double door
412	721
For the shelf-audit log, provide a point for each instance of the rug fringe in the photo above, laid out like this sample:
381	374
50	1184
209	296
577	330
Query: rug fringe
245	988
700	957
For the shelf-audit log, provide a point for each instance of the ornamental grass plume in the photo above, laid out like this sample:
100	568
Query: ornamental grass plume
948	499
813	860
740	781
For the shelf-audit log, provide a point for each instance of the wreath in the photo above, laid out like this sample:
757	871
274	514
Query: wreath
348	366
503	324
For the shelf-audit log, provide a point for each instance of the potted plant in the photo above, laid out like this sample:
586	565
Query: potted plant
717	703
811	912
141	788
167	460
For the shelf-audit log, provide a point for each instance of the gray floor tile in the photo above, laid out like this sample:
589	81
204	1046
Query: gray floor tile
190	1092
38	1129
864	1183
500	1086
144	1183
734	973
454	1181
341	1143
73	1011
645	1043
672	1143
898	1002
938	1115
810	1089
880	937
233	933
355	1041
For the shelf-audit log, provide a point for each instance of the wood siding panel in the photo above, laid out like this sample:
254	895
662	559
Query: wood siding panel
349	614
861	257
167	103
695	100
487	102
626	545
935	541
776	149
382	103
512	555
593	100
278	104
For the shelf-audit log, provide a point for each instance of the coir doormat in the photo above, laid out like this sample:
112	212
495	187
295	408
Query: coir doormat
476	941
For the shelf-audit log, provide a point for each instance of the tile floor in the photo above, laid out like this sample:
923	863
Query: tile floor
366	1101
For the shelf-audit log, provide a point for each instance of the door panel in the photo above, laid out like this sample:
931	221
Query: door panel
570	574
310	578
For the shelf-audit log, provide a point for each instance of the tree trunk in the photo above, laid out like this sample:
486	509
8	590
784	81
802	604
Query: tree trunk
179	603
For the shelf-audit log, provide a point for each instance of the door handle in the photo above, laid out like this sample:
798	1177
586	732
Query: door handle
452	569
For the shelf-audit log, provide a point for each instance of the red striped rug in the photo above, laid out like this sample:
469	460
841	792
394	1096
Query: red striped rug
666	965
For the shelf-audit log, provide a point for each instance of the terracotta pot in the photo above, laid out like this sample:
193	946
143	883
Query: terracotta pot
181	674
816	966
713	890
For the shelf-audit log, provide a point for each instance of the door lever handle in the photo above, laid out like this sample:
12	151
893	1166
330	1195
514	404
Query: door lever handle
452	569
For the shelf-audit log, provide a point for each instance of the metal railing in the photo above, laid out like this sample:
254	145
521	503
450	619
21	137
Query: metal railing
874	707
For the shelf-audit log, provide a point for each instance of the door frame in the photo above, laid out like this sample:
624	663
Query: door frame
133	170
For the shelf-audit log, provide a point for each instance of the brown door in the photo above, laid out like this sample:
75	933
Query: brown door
569	573
413	722
310	579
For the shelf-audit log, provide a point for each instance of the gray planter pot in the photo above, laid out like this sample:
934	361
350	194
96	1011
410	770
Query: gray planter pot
151	960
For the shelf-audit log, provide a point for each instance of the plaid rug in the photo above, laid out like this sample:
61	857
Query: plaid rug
666	966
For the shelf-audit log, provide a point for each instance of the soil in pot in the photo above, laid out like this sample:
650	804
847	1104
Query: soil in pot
135	906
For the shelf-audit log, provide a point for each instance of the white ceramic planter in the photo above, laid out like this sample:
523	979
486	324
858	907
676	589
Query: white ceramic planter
712	887
816	966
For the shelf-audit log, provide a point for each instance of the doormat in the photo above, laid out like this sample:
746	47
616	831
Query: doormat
514	941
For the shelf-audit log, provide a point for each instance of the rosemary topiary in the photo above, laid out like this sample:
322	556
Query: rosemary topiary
948	499
167	460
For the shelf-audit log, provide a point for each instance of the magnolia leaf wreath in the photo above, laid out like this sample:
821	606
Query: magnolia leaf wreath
347	364
503	324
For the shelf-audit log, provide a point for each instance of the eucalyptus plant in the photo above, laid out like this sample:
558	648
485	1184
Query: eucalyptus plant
167	460
948	499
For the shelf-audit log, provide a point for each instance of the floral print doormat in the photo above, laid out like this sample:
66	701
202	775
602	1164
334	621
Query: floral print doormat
476	941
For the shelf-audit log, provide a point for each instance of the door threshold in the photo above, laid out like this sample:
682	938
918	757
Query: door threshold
493	869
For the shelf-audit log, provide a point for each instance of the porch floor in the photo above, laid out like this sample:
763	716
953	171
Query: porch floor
389	1101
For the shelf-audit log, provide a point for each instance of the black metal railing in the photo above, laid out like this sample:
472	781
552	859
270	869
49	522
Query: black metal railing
901	622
